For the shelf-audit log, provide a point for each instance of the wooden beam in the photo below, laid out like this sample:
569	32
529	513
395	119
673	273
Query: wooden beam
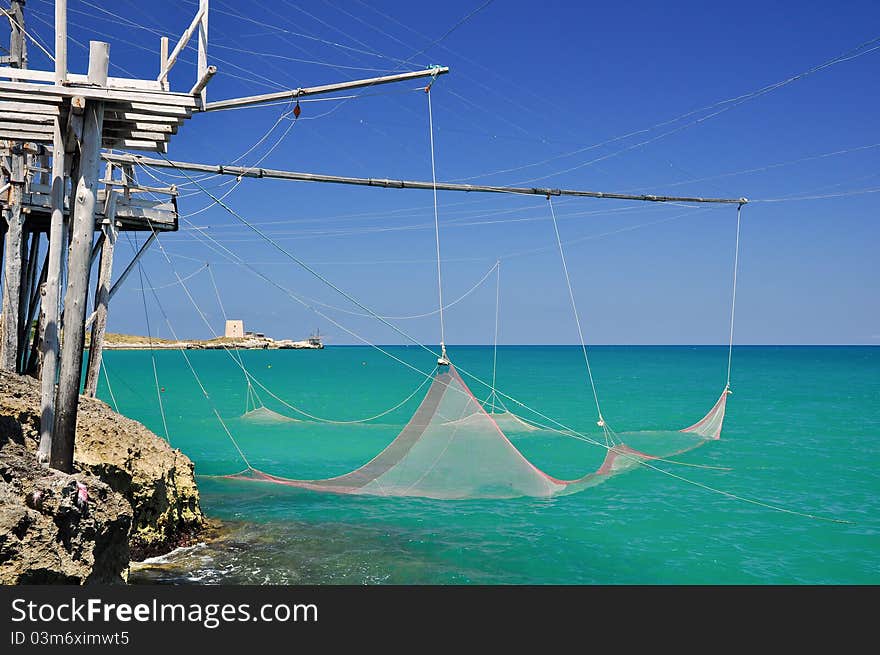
67	401
28	284
34	306
199	88
204	72
60	41
124	83
14	252
181	44
28	107
20	117
39	91
163	59
326	88
243	171
102	297
51	303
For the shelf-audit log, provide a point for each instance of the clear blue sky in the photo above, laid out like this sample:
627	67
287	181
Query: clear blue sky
530	85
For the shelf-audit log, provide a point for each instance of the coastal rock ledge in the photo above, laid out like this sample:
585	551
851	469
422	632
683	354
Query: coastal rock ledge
131	496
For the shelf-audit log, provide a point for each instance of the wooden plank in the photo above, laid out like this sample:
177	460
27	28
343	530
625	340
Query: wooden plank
32	74
29	107
26	135
165	128
131	144
101	93
162	110
21	117
20	96
115	115
35	126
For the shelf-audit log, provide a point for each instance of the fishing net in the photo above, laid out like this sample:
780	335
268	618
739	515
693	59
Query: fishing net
266	416
453	449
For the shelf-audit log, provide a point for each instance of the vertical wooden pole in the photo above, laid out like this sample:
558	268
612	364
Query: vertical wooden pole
28	284
17	40
30	359
163	59
60	41
12	269
203	48
51	305
15	243
75	297
102	296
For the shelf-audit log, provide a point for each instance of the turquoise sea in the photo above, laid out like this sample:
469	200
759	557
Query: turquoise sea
802	432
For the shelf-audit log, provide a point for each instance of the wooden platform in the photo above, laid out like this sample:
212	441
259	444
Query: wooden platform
134	118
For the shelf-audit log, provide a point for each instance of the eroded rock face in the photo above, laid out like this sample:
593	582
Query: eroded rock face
116	458
157	480
58	528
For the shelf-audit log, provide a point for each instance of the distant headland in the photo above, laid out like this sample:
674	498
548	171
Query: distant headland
235	337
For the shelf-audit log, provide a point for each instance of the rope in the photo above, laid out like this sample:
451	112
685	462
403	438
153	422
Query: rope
576	315
175	283
305	267
193	371
411	316
495	346
27	34
572	433
150	341
252	396
436	226
236	358
109	388
733	297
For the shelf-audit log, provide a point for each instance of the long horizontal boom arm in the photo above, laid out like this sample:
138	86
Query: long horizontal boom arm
244	171
292	94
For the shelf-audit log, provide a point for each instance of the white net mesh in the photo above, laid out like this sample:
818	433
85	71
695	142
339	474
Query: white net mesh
453	449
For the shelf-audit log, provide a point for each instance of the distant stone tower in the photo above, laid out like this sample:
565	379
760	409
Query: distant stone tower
235	329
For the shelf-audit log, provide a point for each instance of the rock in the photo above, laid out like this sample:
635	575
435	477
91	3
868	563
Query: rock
156	480
58	528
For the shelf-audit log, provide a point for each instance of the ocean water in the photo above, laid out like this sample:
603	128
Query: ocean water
802	432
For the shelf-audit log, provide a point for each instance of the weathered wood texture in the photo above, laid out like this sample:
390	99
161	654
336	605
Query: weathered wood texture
77	289
102	299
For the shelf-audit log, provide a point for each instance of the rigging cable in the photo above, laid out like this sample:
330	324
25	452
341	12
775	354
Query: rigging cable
572	433
577	319
443	359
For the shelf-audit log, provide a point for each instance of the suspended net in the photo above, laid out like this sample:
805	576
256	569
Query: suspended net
264	416
453	449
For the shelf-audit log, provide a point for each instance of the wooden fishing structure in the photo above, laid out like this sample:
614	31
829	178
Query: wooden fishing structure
55	127
60	186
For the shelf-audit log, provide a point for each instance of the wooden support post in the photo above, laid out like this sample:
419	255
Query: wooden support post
17	40
202	75
28	284
30	359
51	301
163	59
60	41
78	268
181	44
12	270
102	296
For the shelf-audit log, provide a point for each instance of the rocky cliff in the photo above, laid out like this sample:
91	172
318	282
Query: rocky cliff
132	495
